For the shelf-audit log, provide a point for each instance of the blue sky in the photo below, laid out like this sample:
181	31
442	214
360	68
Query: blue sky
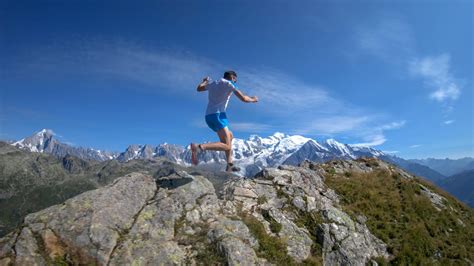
395	75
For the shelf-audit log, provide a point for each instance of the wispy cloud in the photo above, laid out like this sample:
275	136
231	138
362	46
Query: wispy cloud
374	136
391	39
282	93
393	125
372	140
435	70
166	70
415	146
388	38
448	122
294	105
153	69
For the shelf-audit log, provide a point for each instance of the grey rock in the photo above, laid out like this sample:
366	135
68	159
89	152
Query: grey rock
6	261
7	243
94	220
436	200
237	252
149	253
342	246
234	240
298	240
27	252
299	203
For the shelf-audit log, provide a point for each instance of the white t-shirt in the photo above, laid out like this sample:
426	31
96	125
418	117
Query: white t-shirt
219	95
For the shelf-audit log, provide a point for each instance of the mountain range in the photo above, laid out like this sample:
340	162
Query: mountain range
256	153
447	167
251	154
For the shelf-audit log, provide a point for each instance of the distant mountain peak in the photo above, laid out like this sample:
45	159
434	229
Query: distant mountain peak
279	135
45	131
44	141
37	142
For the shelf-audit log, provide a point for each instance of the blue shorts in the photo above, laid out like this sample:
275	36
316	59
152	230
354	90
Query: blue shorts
217	121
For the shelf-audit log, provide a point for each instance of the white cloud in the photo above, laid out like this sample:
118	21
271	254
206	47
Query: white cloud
391	39
374	136
415	146
435	71
391	152
393	125
279	92
373	140
447	122
173	71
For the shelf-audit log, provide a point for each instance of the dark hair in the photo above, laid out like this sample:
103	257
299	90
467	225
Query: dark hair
228	74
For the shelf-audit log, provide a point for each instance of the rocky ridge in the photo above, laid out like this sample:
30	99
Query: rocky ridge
178	217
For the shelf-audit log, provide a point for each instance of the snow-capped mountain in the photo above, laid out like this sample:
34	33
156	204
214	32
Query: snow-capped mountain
45	141
255	153
170	151
252	154
339	149
39	142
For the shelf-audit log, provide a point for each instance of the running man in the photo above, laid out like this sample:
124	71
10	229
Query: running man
219	95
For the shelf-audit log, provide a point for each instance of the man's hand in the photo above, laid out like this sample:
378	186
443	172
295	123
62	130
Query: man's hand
254	99
205	81
203	84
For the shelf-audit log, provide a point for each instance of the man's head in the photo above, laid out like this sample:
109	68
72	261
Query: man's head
230	75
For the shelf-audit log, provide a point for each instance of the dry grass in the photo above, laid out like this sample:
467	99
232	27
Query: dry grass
397	213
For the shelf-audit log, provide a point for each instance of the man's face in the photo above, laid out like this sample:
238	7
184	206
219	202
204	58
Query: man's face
234	78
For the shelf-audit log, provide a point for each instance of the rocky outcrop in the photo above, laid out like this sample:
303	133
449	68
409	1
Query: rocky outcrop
177	217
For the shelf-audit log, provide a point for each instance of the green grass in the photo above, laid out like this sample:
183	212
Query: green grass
311	221
262	199
275	226
207	253
281	194
271	248
415	232
331	171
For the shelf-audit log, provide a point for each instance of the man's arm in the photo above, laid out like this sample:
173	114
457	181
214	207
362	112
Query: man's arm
202	86
245	98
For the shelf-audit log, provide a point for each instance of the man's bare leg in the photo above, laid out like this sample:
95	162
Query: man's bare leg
194	150
228	154
225	144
